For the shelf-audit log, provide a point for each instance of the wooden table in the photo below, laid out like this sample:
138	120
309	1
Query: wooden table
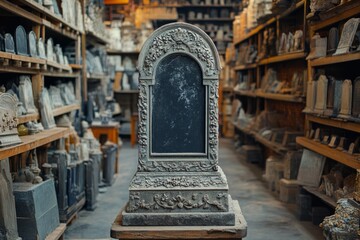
111	130
238	231
133	132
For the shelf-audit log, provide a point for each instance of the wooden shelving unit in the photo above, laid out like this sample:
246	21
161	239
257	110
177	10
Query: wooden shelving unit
28	118
30	142
328	200
339	156
329	60
338	123
65	109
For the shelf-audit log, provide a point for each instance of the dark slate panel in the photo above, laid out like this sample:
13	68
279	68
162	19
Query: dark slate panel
178	107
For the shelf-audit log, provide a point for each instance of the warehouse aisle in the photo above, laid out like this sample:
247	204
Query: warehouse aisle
267	217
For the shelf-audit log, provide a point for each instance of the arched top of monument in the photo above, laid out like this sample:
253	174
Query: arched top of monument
179	38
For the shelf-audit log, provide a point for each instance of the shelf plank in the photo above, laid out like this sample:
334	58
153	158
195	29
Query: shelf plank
16	10
28	118
50	15
282	58
120	52
65	109
207	6
96	37
76	66
339	156
331	202
280	97
58	66
57	233
336	14
335	59
273	146
244	130
61	74
343	124
126	91
210	20
96	76
245	66
30	142
247	93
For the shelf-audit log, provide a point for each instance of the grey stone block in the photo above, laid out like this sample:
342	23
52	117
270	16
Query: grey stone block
36	209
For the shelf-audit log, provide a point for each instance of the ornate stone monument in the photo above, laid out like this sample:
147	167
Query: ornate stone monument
178	181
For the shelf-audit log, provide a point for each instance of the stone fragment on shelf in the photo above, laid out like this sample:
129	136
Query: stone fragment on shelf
322	5
26	94
343	144
2	43
55	96
337	98
283	42
298	41
330	96
8	119
311	168
347	36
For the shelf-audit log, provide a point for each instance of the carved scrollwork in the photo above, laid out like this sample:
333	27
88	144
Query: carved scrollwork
164	201
177	181
180	39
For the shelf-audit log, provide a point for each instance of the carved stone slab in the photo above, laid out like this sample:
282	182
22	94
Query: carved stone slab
347	36
321	94
310	96
8	120
330	96
21	41
178	176
311	168
337	98
9	43
33	48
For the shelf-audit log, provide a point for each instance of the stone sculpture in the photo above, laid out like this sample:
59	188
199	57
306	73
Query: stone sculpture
178	177
8	120
318	46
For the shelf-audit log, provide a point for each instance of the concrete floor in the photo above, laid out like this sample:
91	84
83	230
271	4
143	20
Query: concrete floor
267	217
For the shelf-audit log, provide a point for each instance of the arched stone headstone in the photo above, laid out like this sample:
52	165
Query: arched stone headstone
50	50
41	48
33	48
178	177
21	41
9	43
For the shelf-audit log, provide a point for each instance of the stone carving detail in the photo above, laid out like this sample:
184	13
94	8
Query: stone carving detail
163	201
177	181
180	40
8	120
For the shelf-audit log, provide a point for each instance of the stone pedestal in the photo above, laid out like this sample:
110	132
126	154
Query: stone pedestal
36	209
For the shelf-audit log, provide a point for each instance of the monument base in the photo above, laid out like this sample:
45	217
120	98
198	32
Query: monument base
181	219
237	231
